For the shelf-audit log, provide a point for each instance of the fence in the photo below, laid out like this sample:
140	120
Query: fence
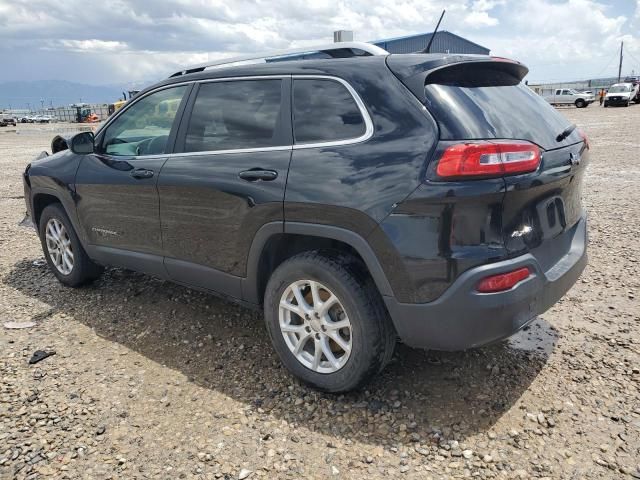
70	114
593	85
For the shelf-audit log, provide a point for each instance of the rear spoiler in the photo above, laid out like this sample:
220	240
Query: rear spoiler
418	70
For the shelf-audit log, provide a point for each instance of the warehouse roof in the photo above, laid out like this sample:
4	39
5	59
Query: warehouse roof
425	37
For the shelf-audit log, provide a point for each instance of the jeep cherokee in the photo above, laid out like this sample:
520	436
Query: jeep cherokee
355	196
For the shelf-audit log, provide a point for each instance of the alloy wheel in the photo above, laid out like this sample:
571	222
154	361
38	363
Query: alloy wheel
315	326
59	246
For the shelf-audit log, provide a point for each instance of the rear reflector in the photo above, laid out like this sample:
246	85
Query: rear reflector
488	159
584	138
503	281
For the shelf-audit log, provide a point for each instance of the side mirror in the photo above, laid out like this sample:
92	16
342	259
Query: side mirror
82	143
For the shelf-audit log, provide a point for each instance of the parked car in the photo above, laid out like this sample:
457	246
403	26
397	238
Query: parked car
6	120
569	96
621	94
42	119
635	81
429	197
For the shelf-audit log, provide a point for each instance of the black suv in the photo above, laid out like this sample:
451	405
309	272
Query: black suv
428	197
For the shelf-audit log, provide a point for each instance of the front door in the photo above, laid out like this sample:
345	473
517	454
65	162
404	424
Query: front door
228	180
117	195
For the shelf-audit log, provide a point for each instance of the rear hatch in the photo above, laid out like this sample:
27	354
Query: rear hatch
481	100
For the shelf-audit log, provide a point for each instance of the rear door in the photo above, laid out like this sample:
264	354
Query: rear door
226	179
558	96
117	197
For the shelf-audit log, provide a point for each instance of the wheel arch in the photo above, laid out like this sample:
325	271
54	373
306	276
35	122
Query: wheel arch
42	197
42	200
277	241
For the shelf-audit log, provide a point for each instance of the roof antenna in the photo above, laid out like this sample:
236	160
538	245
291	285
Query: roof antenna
433	35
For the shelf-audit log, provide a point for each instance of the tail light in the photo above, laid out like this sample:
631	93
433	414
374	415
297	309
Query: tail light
503	281
585	138
488	159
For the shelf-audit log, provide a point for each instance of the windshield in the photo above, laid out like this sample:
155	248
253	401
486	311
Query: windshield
620	89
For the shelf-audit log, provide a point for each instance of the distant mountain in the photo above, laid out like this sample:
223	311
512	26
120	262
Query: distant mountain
54	92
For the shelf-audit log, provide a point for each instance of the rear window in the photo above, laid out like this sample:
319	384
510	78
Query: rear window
502	111
324	111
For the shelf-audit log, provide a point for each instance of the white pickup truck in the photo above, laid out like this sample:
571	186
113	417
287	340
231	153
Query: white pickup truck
621	94
568	96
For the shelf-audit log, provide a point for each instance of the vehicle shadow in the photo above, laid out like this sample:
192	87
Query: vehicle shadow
421	396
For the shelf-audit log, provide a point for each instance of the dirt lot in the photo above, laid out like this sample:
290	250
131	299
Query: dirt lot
151	380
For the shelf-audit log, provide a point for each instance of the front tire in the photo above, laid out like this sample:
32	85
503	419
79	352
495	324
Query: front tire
327	321
62	249
580	103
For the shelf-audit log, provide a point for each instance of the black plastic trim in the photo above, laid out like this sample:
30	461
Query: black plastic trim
249	284
193	274
140	262
350	238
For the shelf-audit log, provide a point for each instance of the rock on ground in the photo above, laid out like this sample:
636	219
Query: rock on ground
152	380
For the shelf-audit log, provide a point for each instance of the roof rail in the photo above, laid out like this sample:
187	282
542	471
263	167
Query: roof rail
368	48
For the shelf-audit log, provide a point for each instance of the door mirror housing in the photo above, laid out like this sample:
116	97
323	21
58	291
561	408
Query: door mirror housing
82	143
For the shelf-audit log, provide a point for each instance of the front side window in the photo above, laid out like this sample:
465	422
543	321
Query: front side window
143	129
324	111
235	115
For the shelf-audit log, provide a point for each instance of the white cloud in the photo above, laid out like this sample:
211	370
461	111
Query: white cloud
91	45
480	19
122	40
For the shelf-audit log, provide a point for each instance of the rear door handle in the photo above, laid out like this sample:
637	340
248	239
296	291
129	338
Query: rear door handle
142	173
258	174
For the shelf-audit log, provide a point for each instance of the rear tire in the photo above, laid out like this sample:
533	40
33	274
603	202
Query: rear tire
62	249
356	305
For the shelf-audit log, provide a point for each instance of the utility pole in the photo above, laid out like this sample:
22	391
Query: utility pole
620	64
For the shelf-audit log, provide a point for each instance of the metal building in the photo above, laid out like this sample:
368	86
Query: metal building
445	42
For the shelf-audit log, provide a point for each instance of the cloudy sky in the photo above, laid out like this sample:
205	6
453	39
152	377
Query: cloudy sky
122	41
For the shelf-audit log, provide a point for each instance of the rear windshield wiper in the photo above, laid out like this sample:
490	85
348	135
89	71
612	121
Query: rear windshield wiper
566	132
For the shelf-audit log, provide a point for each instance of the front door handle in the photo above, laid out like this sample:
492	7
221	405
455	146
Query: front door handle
258	174
142	173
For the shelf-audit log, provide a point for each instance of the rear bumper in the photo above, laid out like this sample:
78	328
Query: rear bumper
463	318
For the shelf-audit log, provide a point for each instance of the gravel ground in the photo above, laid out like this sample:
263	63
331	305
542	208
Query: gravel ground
152	380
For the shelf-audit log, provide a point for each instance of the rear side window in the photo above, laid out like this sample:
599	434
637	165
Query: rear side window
324	111
235	115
